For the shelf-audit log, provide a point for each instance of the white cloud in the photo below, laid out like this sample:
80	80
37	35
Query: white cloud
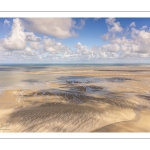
105	36
58	27
6	22
121	40
35	42
81	48
110	21
111	47
34	48
82	52
31	37
16	39
50	45
80	25
136	45
27	46
35	45
29	51
113	26
144	27
133	24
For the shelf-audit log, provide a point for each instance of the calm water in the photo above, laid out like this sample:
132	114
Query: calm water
38	75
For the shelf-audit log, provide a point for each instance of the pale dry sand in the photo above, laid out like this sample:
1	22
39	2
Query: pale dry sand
91	99
141	124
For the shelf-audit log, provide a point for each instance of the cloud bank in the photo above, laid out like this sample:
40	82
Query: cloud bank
57	27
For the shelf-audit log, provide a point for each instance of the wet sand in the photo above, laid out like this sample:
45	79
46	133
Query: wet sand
76	99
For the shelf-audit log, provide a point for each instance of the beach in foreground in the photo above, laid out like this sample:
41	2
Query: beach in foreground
74	98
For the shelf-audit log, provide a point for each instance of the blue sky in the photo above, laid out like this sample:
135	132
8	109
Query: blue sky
94	28
66	40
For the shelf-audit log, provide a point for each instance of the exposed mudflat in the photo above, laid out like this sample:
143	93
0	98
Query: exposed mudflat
75	99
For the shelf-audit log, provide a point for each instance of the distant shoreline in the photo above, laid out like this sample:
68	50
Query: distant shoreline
72	64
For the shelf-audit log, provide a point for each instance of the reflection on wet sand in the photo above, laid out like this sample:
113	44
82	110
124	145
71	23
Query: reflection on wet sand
75	99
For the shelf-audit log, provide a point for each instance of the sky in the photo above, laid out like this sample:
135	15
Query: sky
75	40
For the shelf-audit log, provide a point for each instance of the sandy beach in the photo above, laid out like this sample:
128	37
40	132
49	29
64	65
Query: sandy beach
75	99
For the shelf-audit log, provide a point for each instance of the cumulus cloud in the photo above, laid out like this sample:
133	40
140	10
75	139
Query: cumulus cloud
133	24
16	39
35	45
80	25
137	45
19	45
81	48
23	45
144	27
6	22
111	47
105	36
82	52
31	37
57	27
29	51
113	26
50	45
35	42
